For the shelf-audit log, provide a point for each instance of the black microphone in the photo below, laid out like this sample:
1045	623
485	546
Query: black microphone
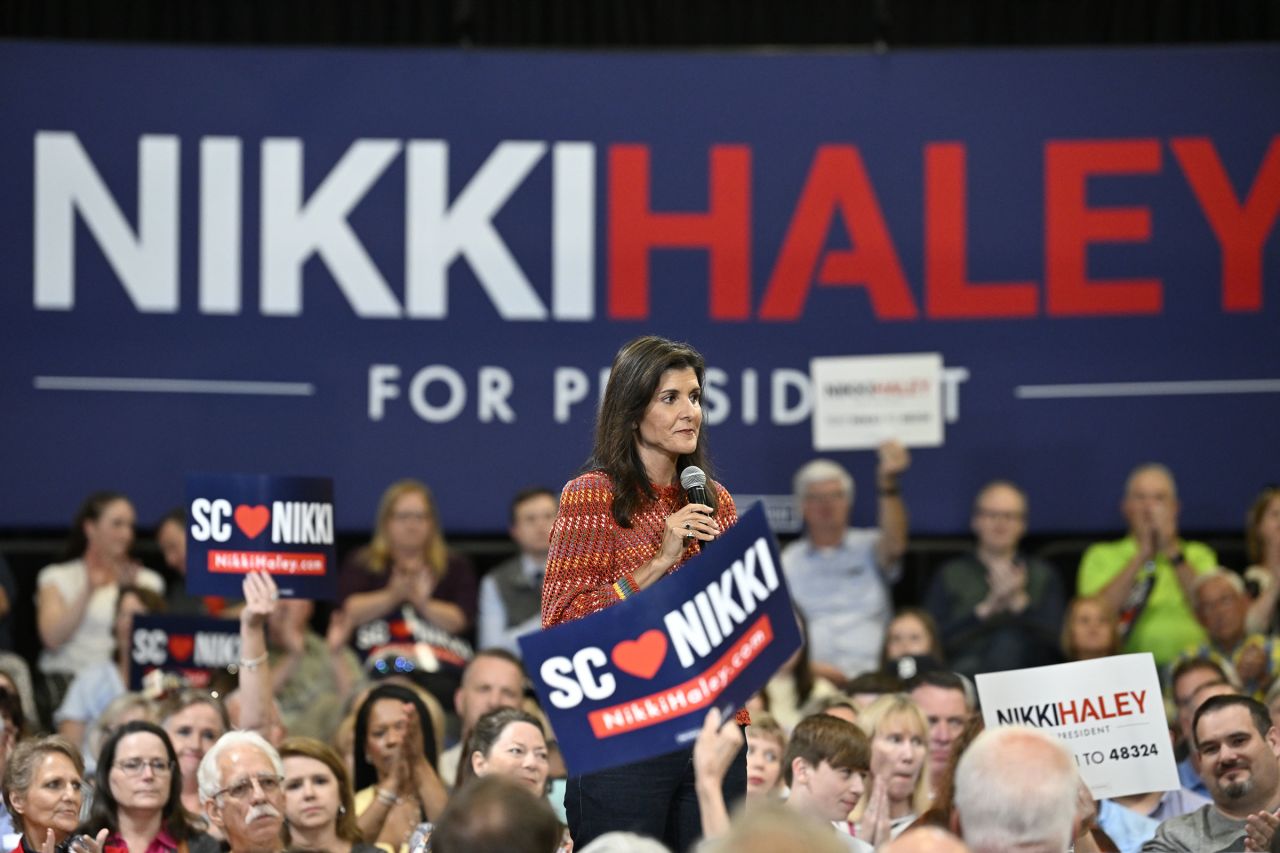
694	483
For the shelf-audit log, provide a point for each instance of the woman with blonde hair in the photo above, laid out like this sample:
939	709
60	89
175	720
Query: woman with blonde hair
408	563
1090	629
898	789
319	802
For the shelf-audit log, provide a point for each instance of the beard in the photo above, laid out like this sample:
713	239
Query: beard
1237	790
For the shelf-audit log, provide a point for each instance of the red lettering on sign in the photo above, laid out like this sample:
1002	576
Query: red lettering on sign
1071	225
724	231
948	292
838	183
1241	229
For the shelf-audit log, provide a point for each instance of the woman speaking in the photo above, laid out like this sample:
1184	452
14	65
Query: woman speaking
622	526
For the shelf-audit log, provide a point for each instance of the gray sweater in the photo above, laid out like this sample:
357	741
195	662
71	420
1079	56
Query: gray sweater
1205	830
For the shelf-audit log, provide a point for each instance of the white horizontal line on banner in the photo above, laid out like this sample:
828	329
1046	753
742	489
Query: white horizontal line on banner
147	385
1148	389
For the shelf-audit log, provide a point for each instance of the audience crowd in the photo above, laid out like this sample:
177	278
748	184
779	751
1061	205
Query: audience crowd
401	719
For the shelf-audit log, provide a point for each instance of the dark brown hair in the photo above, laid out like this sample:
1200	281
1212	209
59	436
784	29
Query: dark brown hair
825	738
1253	540
105	809
90	510
633	379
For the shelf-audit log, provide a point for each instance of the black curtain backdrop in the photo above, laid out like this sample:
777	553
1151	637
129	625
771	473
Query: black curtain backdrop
647	23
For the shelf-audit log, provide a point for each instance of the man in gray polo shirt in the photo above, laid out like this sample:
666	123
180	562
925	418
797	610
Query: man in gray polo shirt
1239	753
840	576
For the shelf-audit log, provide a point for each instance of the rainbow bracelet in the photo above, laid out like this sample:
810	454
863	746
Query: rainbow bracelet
625	587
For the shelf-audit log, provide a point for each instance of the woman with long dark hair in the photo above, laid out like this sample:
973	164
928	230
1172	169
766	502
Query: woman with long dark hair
138	795
623	525
395	754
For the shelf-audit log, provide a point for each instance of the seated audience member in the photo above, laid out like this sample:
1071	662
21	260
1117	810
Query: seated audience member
870	686
1272	701
241	780
8	594
496	815
194	720
766	745
76	600
15	677
1090	630
44	791
312	677
1239	751
494	678
511	592
125	708
396	784
138	795
10	729
1221	605
1017	789
1185	681
997	608
926	839
318	803
407	580
1147	577
96	686
1262	541
835	705
510	742
911	634
840	576
778	829
826	768
171	538
625	842
794	685
898	790
943	804
947	706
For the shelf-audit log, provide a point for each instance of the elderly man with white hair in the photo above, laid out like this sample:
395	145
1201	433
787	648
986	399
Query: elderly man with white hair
840	576
241	780
1018	789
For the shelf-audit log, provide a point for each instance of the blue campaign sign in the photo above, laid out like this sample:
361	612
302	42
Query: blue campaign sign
194	647
240	523
636	679
387	263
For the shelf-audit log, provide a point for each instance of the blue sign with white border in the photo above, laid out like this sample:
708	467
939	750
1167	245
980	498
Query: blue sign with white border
239	523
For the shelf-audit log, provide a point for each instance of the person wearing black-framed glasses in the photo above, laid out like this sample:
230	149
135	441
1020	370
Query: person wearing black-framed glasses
138	795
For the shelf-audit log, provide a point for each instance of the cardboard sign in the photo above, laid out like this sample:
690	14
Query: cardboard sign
861	401
192	646
1108	711
636	679
238	523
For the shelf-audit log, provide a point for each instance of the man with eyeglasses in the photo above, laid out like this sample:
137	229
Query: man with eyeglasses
240	788
997	608
838	575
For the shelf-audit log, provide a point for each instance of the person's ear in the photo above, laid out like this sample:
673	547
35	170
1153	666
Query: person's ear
954	823
799	771
18	799
214	812
478	763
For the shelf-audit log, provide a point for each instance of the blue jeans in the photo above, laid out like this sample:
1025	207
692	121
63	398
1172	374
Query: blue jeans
655	797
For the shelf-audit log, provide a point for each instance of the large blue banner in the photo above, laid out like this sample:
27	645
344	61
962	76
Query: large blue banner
373	265
636	679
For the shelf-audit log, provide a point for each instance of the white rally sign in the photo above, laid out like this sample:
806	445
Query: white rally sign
861	401
1108	711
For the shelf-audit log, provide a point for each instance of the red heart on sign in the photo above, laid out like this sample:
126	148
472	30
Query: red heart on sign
642	657
180	646
400	629
252	520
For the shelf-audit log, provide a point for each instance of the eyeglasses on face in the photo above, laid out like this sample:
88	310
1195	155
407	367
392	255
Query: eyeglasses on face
135	766
242	790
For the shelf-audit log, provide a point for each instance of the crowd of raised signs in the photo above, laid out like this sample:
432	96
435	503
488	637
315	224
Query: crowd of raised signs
408	723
